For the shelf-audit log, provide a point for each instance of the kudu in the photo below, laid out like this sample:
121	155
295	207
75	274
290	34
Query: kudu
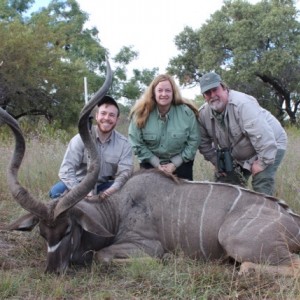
69	234
154	214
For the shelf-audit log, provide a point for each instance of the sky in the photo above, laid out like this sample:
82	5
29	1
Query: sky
150	26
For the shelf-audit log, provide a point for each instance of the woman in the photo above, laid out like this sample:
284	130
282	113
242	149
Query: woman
164	130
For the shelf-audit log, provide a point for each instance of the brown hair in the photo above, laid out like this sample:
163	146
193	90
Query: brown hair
146	104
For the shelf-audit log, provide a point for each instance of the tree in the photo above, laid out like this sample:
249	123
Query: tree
185	65
45	57
256	49
130	89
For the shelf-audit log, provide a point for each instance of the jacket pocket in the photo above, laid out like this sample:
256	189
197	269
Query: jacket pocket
110	166
235	131
177	141
150	138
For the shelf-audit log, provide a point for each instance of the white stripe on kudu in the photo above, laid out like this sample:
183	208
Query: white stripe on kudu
53	248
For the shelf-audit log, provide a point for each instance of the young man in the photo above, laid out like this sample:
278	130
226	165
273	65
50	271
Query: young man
115	154
234	126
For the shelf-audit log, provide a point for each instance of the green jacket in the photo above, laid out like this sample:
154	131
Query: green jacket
174	139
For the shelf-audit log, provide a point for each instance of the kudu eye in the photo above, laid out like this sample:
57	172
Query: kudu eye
64	231
68	231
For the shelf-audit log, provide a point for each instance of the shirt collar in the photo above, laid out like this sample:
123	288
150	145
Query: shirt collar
167	116
98	135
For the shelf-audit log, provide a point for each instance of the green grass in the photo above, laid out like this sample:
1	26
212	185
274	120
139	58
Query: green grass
23	254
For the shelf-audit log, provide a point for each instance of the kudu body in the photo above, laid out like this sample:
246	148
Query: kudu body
154	214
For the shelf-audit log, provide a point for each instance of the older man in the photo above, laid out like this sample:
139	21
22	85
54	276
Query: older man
239	136
115	153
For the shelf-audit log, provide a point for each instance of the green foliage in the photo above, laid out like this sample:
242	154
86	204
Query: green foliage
41	62
254	47
46	56
129	90
133	89
126	55
14	8
185	65
9	286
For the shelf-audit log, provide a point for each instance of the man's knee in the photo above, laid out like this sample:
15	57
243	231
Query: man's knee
57	190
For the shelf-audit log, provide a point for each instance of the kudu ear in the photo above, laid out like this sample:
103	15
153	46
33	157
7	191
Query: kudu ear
90	224
24	223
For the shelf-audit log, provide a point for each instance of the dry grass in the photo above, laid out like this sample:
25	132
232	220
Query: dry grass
22	254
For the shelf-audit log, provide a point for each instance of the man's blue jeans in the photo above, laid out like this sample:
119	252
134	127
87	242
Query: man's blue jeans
59	188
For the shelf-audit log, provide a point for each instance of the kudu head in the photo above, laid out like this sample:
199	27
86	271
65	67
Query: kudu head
58	225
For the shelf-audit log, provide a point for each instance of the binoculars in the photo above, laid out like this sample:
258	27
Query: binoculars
224	160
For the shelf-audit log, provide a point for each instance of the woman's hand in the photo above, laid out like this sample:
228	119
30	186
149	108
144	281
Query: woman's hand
168	168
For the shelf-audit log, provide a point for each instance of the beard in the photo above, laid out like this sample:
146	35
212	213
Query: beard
217	104
106	127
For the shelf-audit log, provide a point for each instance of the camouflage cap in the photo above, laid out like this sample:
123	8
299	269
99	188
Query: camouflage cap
209	81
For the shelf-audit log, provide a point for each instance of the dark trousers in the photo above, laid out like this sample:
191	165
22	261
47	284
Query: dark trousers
185	171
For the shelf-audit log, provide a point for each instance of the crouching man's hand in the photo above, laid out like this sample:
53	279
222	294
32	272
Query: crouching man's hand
257	167
107	193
